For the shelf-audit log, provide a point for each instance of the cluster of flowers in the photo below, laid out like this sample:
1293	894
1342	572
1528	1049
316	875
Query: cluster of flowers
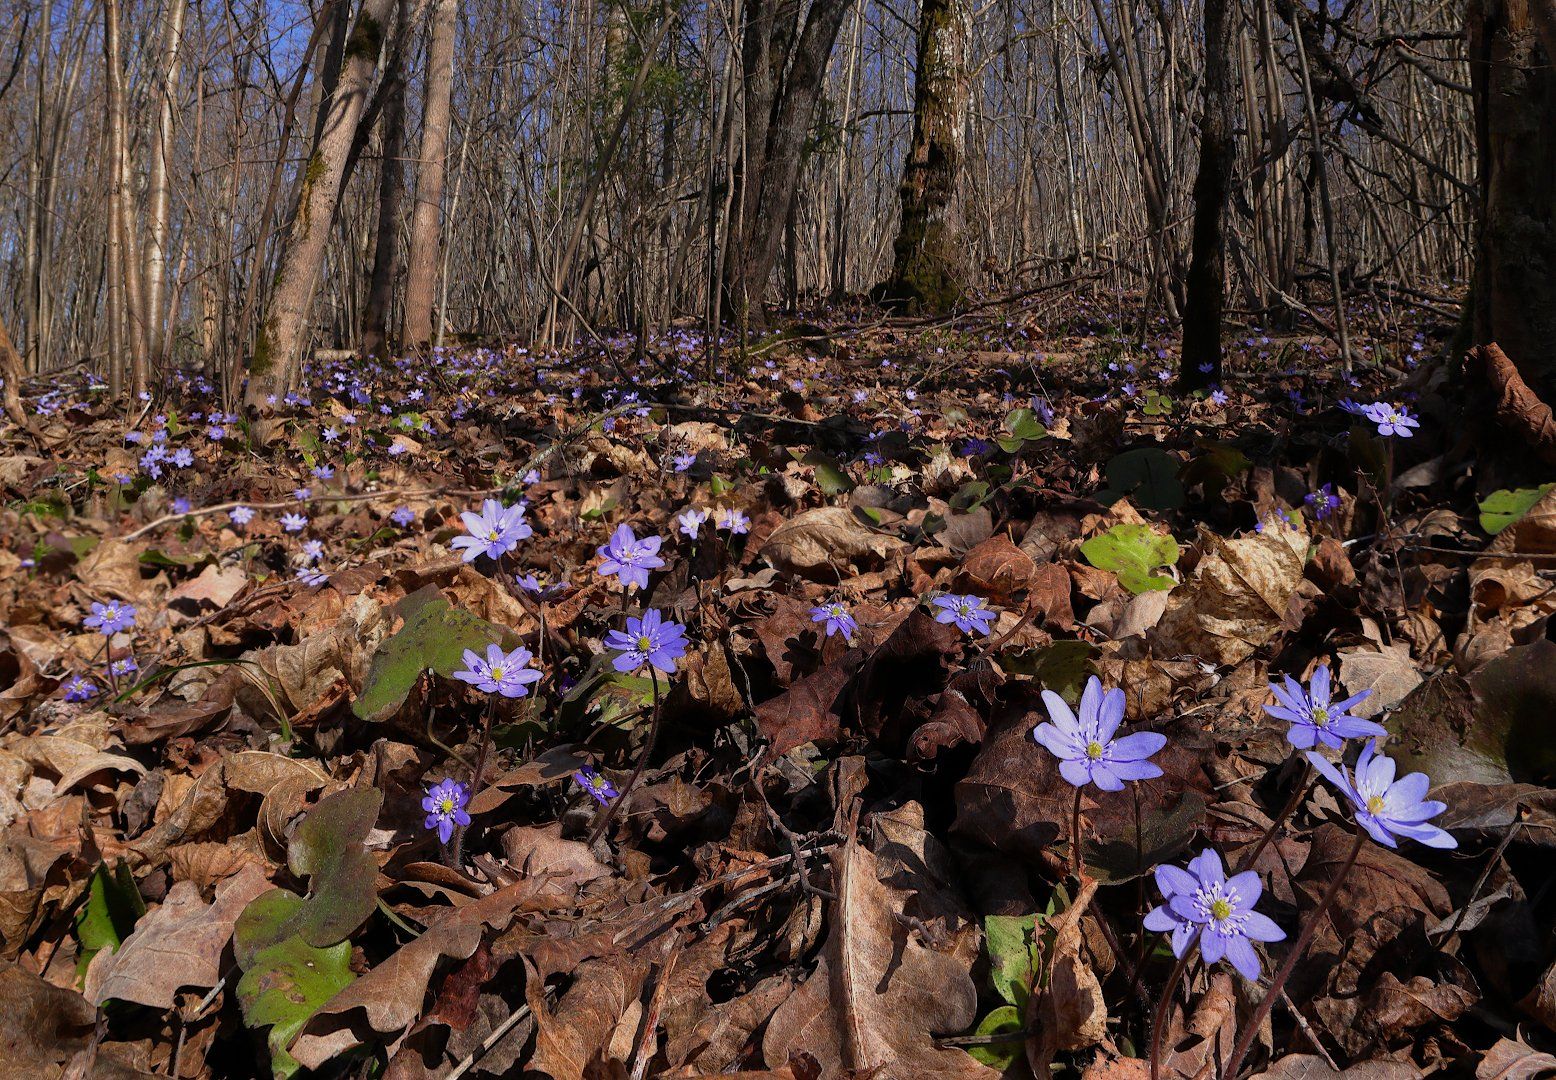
1200	903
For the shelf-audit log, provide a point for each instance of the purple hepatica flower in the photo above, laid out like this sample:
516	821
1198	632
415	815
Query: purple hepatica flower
508	674
596	785
976	447
691	521
1314	718
1323	501
240	515
682	462
1388	808
1218	397
445	807
1086	748
649	640
1390	420
967	612
312	576
403	516
110	618
1203	899
630	559
494	532
294	522
734	522
79	689
837	618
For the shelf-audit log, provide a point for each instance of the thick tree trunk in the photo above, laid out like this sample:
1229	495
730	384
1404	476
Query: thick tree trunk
1212	188
284	333
928	272
421	278
784	71
1512	46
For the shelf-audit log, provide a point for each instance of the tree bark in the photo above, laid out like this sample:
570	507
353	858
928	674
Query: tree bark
1212	189
159	336
928	268
391	186
1512	48
284	333
11	374
421	279
784	71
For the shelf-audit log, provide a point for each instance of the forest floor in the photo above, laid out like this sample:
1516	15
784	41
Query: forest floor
240	734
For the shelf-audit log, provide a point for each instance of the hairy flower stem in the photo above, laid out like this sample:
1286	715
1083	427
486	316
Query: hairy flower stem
1287	966
458	846
1159	1019
637	772
1077	858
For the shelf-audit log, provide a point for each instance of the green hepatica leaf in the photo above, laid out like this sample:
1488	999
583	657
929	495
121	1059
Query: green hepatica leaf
265	922
1134	553
1149	476
1005	1020
327	847
1061	666
434	638
294	951
1014	954
830	477
285	984
1501	508
113	904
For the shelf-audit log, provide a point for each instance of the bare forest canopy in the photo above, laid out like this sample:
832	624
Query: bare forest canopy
546	168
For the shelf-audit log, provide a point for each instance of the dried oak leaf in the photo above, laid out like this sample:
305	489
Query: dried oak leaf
879	993
1067	1012
1237	599
594	1023
179	944
41	1026
912	663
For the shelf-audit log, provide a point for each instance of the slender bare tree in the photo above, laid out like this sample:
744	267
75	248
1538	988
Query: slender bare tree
285	333
421	273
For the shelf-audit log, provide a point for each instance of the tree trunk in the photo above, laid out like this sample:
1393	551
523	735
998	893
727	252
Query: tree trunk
11	375
159	337
928	269
278	352
784	72
1512	48
391	186
421	280
1200	365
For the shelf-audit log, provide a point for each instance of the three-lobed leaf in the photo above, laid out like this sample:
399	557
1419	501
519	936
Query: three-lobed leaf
1135	553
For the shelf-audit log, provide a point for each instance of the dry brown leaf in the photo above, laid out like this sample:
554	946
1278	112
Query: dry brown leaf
179	944
1237	598
879	993
826	542
391	995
